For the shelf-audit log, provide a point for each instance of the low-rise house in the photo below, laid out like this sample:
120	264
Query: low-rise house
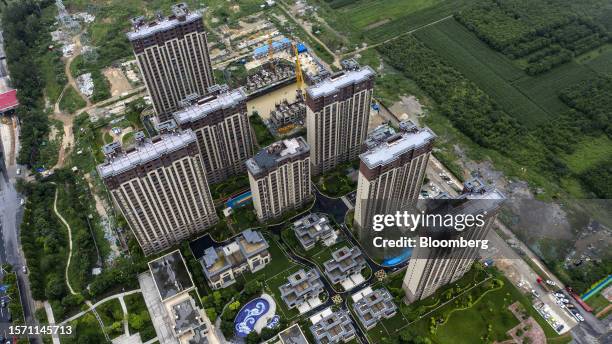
291	335
344	263
335	327
375	306
301	287
248	251
313	228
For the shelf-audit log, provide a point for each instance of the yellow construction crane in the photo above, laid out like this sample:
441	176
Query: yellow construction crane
299	78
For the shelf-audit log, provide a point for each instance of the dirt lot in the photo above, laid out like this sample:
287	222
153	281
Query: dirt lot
119	83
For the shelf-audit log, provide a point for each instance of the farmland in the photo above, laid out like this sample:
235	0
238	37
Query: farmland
365	14
544	35
602	64
491	71
377	21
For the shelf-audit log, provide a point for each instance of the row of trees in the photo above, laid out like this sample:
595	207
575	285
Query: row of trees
593	97
547	35
26	37
469	108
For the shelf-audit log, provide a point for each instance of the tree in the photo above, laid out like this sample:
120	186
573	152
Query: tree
234	305
253	338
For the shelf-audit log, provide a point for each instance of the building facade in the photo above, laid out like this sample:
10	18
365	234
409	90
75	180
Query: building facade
432	268
374	307
337	114
314	228
161	189
391	173
301	287
344	263
221	123
334	327
248	251
279	176
173	57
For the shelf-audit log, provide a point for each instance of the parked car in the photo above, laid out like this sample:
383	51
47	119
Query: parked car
24	269
549	282
18	171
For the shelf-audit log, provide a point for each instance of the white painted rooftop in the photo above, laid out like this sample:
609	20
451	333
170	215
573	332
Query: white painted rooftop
146	152
332	85
210	104
322	314
387	152
160	26
360	294
275	153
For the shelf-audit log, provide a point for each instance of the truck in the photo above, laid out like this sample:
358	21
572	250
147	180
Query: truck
578	299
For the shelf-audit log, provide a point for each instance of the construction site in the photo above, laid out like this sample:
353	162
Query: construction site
277	76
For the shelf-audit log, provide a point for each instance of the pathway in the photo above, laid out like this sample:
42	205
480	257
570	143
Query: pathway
92	306
396	37
307	31
51	320
69	241
126	328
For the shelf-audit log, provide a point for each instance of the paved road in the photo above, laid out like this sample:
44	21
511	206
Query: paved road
10	250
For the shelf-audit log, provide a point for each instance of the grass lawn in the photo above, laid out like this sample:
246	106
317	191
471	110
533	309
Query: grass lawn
243	218
71	101
229	186
139	319
85	329
589	153
128	138
487	318
262	134
598	303
112	316
52	69
271	288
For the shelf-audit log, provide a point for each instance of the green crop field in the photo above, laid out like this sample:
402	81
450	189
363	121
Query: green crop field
544	89
602	64
412	20
589	153
490	70
366	13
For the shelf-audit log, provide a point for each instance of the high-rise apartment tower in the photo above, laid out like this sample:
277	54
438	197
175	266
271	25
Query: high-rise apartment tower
221	123
337	114
431	268
391	172
160	187
173	57
280	177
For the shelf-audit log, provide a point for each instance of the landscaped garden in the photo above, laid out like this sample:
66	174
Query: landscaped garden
472	310
337	182
112	317
229	186
262	134
139	319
